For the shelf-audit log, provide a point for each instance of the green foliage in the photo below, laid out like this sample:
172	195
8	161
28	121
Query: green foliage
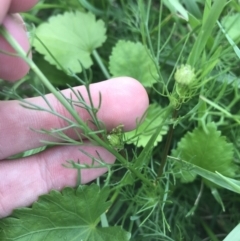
210	16
70	38
207	149
231	26
69	215
176	7
234	235
216	178
151	41
146	129
134	60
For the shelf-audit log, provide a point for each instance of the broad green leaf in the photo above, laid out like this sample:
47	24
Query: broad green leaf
231	41
176	8
231	25
133	59
70	38
143	133
234	234
193	8
193	21
56	76
68	215
206	149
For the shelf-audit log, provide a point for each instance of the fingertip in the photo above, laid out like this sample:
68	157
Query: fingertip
138	102
124	102
21	6
4	9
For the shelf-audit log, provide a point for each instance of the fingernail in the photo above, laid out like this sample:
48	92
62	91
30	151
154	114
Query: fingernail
19	20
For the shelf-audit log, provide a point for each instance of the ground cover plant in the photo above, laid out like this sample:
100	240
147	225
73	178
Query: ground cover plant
176	176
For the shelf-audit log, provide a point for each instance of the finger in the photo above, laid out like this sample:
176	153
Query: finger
12	67
4	9
17	6
124	100
22	181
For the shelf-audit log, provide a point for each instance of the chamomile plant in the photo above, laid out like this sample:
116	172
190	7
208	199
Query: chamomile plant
180	166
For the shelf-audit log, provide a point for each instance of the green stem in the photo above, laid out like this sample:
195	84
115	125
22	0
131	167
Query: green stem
16	85
167	146
146	20
101	65
91	8
159	32
201	111
144	155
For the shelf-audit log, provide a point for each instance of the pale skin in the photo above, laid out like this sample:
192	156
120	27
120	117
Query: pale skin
23	180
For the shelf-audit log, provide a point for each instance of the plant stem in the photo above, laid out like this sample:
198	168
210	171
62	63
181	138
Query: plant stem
167	146
101	65
144	155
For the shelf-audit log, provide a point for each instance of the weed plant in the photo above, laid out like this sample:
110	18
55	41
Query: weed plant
176	177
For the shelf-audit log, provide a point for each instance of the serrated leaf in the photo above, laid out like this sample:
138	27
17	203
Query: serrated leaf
143	133
133	59
208	150
70	38
68	215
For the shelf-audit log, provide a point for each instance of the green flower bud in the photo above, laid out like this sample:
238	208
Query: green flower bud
185	75
114	140
115	137
185	86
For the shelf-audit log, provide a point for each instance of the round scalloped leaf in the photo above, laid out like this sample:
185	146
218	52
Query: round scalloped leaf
206	149
133	59
68	215
146	129
70	38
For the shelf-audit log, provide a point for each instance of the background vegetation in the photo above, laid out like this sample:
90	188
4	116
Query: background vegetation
176	176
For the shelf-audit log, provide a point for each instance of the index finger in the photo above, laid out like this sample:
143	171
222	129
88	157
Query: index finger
124	100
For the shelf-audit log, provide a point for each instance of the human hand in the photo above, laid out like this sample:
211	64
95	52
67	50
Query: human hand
23	180
13	68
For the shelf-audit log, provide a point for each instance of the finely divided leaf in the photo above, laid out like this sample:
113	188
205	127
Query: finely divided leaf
143	133
69	215
70	38
133	59
208	150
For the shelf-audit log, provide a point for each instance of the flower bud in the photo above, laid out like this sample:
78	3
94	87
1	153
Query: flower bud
185	75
